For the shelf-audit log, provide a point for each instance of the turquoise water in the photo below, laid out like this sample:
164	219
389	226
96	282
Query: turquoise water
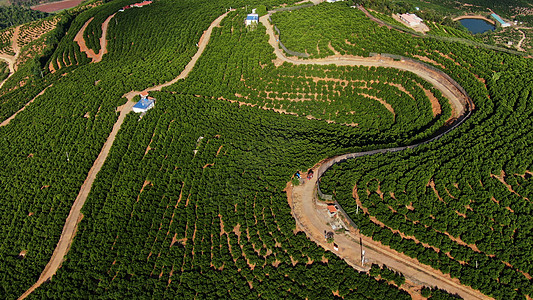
477	25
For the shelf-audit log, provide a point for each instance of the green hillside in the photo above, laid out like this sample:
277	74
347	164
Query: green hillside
191	201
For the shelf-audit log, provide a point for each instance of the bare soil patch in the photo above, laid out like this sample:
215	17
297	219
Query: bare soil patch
55	6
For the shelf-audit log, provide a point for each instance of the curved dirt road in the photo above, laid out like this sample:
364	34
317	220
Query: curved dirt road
103	40
313	218
71	223
440	81
12	59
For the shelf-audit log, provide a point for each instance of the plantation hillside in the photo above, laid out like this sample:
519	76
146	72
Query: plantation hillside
192	199
51	145
459	204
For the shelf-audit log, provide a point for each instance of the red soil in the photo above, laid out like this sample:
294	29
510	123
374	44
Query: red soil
55	6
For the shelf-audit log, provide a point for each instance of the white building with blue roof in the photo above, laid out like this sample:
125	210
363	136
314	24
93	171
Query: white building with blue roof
144	104
252	18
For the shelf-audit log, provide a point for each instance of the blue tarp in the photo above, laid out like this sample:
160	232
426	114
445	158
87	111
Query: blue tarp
252	18
144	103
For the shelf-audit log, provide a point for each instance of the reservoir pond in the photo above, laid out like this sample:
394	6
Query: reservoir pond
477	25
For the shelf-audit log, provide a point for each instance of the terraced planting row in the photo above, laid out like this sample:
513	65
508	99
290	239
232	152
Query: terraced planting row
34	30
461	208
73	116
190	202
6	36
187	198
92	111
369	98
447	203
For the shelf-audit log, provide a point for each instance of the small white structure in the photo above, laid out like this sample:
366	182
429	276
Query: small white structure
144	104
252	18
411	19
331	1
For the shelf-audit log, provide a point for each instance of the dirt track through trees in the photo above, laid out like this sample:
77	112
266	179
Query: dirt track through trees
6	121
12	59
71	223
312	217
302	198
96	57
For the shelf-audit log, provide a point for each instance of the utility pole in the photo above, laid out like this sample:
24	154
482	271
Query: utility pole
362	251
68	159
357	211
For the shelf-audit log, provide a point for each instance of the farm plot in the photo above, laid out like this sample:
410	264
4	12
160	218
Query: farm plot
347	31
6	42
190	205
73	116
32	38
389	100
338	29
56	6
462	206
34	30
448	204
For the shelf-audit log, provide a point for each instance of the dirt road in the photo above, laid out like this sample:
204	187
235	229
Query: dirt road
314	218
6	121
204	40
12	59
519	45
71	223
96	57
440	81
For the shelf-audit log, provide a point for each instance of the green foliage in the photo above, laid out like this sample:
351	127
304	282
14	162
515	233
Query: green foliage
261	10
295	181
344	94
387	274
437	294
16	15
4	70
162	221
160	215
349	31
76	114
476	222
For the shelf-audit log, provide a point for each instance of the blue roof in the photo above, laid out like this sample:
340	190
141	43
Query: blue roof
144	103
252	18
495	16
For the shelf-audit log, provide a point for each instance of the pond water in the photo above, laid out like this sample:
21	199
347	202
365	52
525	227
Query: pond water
477	25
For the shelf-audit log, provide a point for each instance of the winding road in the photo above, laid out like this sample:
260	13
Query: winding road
308	214
96	57
75	216
313	218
